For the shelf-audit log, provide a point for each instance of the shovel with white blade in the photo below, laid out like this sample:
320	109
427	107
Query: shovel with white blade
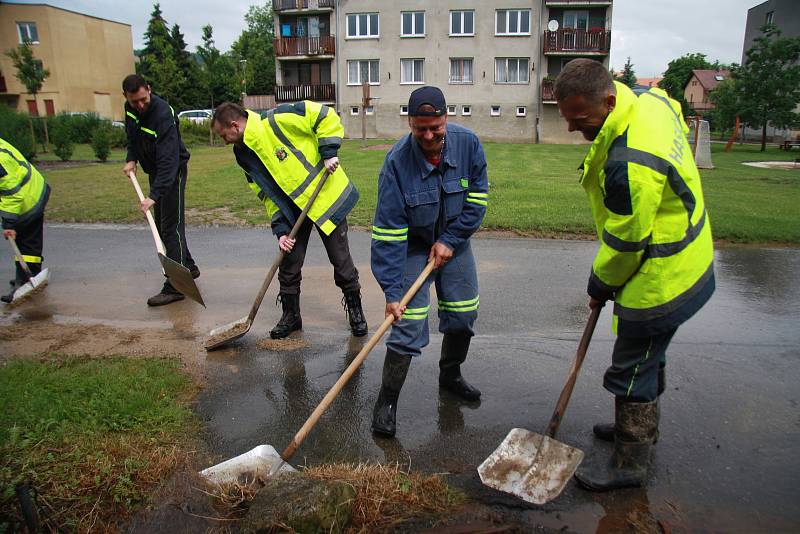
34	283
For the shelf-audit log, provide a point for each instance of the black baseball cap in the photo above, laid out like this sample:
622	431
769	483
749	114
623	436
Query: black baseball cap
432	96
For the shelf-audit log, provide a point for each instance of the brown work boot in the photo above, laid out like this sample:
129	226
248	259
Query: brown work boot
167	295
605	431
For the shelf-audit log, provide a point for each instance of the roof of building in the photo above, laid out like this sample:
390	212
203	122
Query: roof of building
648	82
709	79
42	4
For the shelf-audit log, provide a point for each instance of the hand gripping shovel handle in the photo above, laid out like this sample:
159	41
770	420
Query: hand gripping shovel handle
281	253
19	258
355	364
156	237
566	393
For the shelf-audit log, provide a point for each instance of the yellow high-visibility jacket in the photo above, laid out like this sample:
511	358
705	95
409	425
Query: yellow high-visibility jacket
656	252
291	143
23	191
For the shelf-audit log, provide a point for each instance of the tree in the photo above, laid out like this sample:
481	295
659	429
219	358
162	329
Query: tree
725	98
32	74
769	82
156	44
627	76
678	73
217	72
190	93
255	46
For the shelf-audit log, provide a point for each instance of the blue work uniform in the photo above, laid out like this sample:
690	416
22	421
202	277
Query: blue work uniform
418	205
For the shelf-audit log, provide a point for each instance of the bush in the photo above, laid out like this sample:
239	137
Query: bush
61	138
194	133
81	125
118	137
101	142
15	129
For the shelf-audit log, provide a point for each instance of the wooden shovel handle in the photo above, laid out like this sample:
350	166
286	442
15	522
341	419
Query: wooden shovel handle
281	254
19	258
566	393
153	229
355	364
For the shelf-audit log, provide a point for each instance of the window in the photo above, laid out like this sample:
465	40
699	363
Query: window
719	77
466	110
412	71
369	110
413	24
404	110
451	110
494	111
363	70
460	70
354	110
27	32
511	70
769	18
513	22
462	23
521	111
694	82
362	25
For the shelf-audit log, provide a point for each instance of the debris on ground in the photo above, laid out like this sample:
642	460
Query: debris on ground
282	345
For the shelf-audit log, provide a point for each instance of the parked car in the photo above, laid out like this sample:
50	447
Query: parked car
196	115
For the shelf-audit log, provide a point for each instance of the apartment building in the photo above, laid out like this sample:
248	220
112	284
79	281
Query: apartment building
495	60
87	58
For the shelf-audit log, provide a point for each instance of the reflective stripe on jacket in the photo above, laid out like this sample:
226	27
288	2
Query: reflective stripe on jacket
292	142
656	251
23	191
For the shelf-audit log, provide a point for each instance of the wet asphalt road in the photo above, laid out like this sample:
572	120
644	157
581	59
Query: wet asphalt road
727	459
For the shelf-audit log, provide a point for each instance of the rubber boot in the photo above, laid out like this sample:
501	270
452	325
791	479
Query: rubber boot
384	416
634	432
454	351
352	306
605	431
21	277
167	295
290	320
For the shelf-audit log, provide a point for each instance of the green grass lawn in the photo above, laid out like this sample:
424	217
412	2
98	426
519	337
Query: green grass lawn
534	190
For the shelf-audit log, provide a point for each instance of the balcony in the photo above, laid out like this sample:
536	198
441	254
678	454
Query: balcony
568	41
302	5
578	3
305	46
549	91
325	92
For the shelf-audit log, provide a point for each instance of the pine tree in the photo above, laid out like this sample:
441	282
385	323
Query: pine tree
628	77
217	72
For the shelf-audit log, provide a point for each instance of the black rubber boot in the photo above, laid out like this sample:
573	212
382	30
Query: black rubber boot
352	306
633	437
168	295
14	284
20	279
454	351
290	320
605	431
384	416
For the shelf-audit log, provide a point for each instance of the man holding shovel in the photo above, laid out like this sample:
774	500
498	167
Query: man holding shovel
655	259
284	155
432	196
154	140
23	196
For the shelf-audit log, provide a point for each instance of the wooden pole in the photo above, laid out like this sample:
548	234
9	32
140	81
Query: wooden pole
364	104
733	136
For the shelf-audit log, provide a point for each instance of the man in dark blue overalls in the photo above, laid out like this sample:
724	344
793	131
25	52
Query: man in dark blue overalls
432	196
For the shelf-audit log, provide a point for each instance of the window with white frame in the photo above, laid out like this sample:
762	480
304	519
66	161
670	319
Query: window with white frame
522	111
354	110
460	70
404	110
494	111
412	71
451	109
362	25
462	23
511	70
513	22
27	32
466	110
412	24
363	70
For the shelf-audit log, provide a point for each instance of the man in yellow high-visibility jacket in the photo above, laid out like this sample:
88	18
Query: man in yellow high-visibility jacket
655	259
23	196
284	155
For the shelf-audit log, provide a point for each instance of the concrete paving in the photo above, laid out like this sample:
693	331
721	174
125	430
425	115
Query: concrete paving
727	458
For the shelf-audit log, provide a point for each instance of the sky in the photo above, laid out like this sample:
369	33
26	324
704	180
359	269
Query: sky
650	32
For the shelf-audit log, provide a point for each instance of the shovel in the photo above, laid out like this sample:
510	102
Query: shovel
178	275
536	467
264	460
34	283
222	335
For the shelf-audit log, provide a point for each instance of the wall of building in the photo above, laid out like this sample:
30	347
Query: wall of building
785	16
87	58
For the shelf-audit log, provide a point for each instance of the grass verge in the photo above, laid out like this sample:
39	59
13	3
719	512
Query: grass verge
92	436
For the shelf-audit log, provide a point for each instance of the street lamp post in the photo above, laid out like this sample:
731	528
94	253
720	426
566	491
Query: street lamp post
243	65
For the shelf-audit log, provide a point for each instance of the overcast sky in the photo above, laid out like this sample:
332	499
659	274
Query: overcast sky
650	32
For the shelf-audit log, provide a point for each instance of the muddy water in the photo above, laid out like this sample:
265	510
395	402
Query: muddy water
726	461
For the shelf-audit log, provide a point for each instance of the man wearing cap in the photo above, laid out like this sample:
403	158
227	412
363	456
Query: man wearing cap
432	196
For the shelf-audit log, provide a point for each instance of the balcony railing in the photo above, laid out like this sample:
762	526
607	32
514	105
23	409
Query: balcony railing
324	92
577	3
567	40
286	5
548	91
305	46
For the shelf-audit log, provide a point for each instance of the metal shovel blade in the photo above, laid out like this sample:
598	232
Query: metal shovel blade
180	278
530	466
222	335
255	463
28	288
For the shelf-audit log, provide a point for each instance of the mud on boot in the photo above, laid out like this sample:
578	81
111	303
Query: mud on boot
384	415
454	351
605	431
351	302
633	437
290	320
